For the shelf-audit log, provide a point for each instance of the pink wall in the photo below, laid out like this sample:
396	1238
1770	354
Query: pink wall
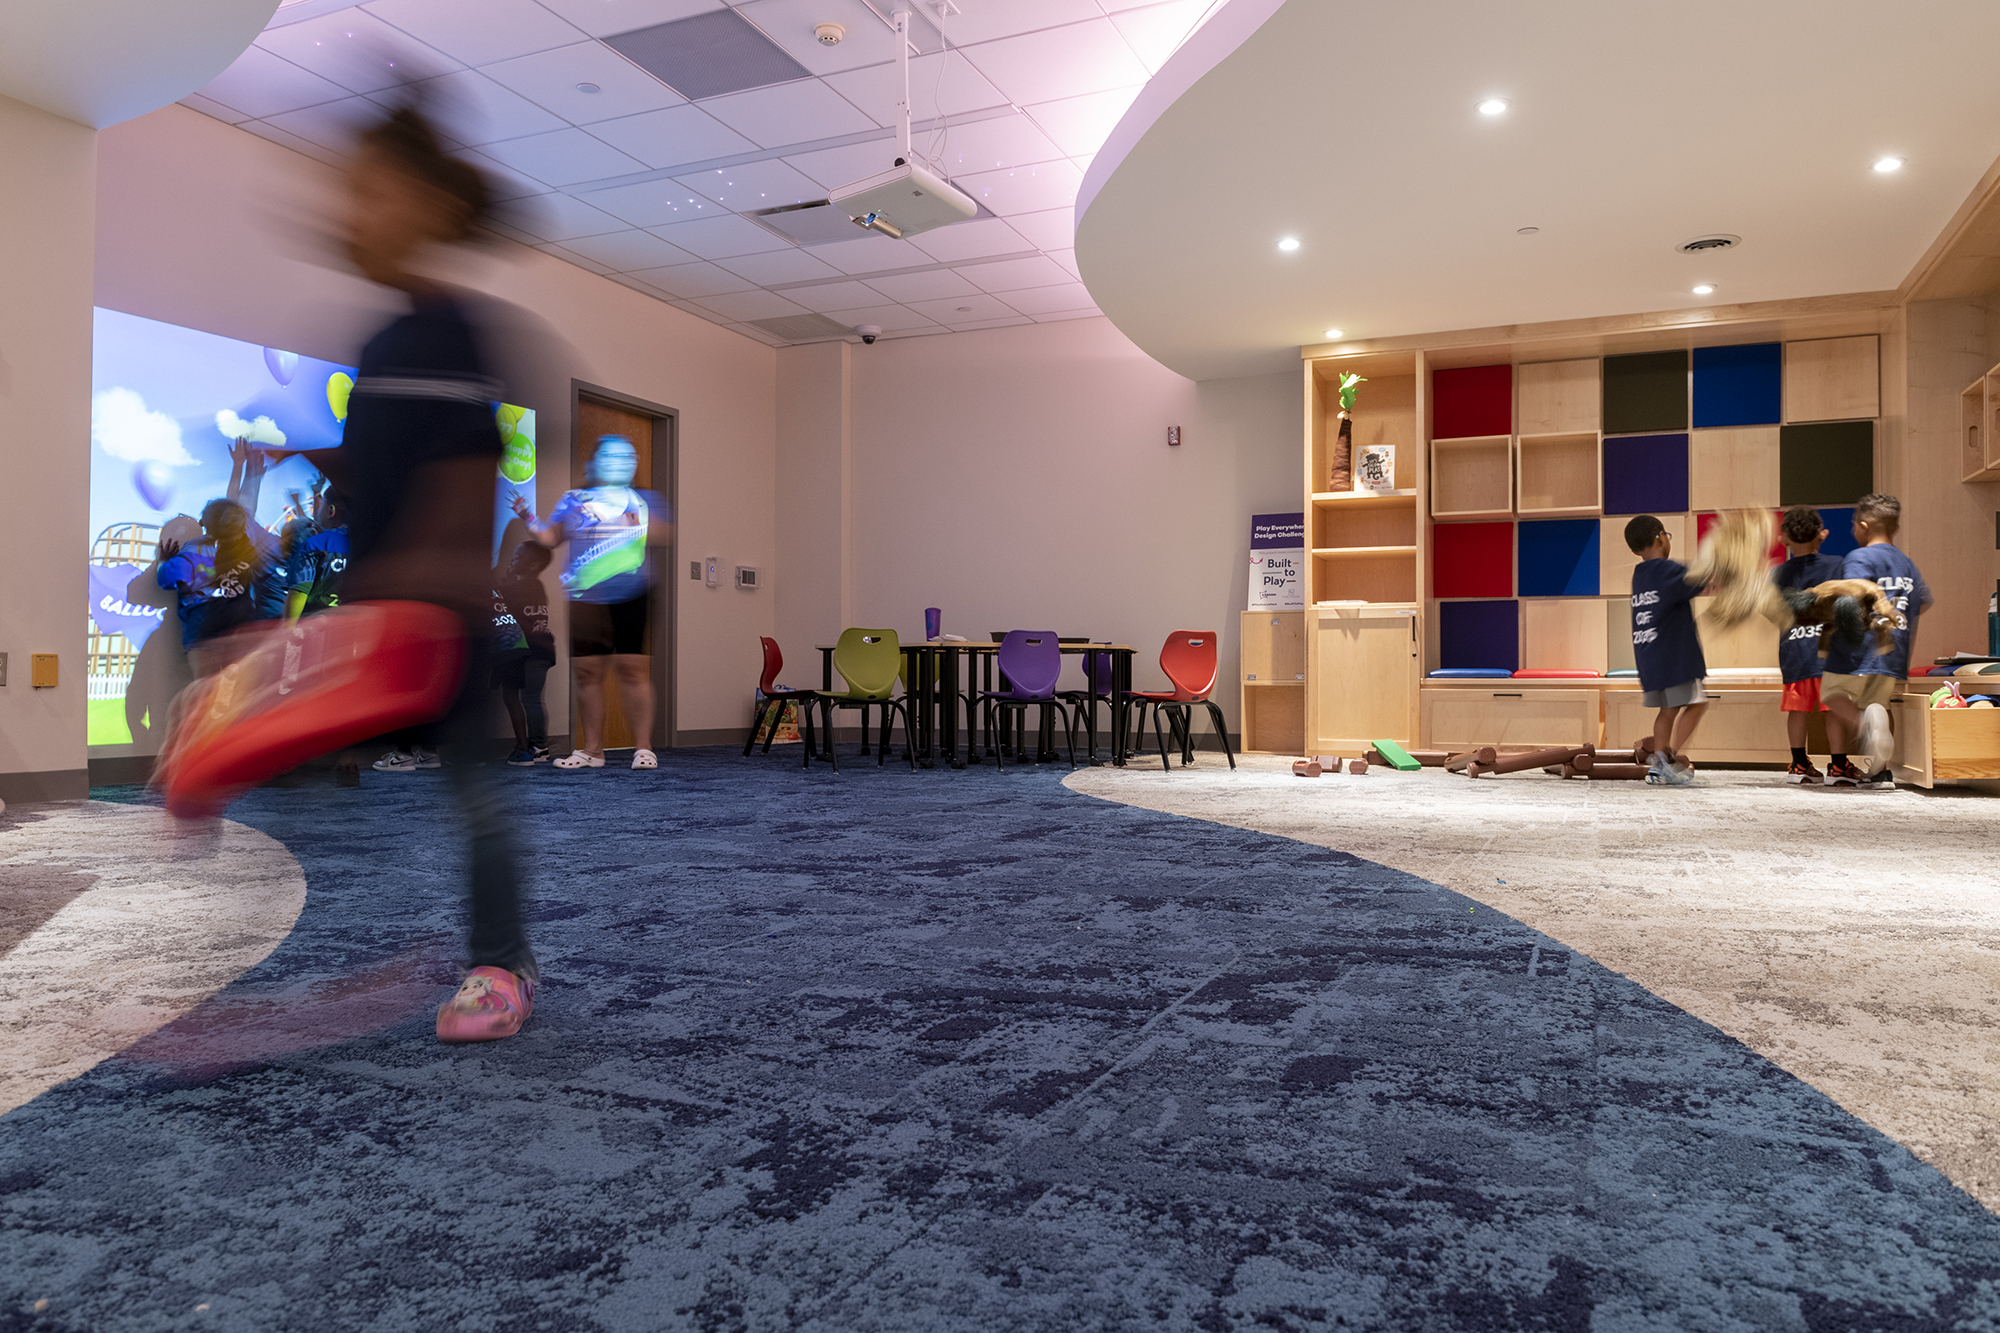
205	225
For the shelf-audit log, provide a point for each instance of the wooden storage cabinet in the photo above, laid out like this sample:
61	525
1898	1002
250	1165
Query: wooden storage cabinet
1979	414
1740	726
1362	667
1472	478
1458	717
1272	652
1935	745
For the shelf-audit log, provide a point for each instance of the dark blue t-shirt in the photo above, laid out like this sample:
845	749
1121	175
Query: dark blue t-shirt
1896	575
1665	645
316	568
1798	647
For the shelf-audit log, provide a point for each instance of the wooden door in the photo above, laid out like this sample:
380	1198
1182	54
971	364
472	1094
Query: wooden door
1364	673
594	420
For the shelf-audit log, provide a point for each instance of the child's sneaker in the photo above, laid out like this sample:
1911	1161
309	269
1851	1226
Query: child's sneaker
521	758
1883	779
541	754
1878	742
491	1003
400	761
1843	774
1661	773
1804	775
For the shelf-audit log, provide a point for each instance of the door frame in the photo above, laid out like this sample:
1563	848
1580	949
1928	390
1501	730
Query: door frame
665	560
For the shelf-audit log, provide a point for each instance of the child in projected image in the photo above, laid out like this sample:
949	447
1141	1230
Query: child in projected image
524	677
608	527
216	581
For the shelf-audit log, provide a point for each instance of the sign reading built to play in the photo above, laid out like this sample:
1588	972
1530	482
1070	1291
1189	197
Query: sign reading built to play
1277	562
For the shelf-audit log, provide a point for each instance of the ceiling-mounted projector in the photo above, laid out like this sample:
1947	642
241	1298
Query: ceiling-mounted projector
903	201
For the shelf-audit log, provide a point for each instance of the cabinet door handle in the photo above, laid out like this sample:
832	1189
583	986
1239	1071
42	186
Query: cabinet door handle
1509	696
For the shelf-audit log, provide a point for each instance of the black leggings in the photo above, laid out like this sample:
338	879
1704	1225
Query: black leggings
497	936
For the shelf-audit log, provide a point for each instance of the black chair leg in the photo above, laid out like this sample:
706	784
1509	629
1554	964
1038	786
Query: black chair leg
832	750
1069	734
807	738
1160	736
1221	730
756	724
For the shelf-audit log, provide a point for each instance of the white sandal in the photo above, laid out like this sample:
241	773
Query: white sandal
580	759
645	759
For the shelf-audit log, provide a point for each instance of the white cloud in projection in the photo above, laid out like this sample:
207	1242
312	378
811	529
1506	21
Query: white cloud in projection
263	430
122	426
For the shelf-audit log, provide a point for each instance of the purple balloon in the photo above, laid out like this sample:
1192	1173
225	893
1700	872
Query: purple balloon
281	364
155	484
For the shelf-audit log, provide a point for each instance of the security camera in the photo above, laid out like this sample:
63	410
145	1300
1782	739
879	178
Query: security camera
869	333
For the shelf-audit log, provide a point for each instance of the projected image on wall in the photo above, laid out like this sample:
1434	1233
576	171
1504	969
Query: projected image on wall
195	525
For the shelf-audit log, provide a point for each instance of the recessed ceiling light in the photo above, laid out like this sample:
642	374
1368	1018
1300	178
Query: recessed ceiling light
1289	244
1334	334
1885	165
1493	106
1703	289
588	88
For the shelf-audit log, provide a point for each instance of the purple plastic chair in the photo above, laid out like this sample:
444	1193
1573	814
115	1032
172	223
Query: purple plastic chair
1098	670
1031	660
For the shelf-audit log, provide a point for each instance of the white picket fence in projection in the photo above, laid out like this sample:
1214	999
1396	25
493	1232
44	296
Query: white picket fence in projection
106	687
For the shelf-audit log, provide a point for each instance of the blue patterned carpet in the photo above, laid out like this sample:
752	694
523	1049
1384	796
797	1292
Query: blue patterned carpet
946	1051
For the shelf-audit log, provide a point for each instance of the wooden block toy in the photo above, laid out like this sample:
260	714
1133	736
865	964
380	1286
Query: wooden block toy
1521	763
1305	768
1357	766
1459	762
1396	757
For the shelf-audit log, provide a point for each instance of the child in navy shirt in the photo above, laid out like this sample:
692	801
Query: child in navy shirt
1666	648
1860	680
1798	647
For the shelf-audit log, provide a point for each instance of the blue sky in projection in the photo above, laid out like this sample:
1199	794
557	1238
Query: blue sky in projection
156	390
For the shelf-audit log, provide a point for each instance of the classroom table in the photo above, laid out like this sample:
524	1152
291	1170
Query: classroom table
931	682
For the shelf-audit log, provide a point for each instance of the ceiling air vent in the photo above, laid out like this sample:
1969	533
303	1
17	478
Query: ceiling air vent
804	328
708	55
1703	244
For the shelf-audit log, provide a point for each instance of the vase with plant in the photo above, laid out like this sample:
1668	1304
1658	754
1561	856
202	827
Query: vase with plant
1343	446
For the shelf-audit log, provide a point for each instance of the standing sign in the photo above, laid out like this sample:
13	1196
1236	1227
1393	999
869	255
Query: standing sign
1277	562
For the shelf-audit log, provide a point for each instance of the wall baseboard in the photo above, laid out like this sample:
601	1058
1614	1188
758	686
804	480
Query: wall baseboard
62	784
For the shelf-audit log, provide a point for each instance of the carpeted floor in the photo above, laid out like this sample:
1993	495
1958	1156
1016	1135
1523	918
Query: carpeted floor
945	1051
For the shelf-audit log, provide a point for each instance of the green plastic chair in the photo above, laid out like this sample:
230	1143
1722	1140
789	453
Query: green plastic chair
871	662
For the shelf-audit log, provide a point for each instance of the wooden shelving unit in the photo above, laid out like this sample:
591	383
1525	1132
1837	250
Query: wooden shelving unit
1473	478
1979	413
1558	476
1274	682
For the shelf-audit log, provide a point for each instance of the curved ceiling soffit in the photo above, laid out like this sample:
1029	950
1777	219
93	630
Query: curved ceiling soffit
99	62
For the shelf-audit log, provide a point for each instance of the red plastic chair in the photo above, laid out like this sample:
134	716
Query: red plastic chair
1190	663
772	701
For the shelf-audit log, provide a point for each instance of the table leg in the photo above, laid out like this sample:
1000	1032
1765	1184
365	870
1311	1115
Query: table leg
826	683
1121	681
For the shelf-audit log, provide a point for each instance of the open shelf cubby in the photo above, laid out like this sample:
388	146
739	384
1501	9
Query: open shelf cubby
1558	475
1472	478
1365	574
1979	411
1371	521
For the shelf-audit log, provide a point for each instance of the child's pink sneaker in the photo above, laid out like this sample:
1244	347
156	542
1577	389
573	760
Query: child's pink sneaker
491	1003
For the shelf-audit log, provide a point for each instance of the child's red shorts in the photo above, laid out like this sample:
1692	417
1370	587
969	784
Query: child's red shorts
1801	696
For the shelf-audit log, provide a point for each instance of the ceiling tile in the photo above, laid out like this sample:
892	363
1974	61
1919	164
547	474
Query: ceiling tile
264	129
505	182
788	113
972	325
835	167
643	288
356	51
1157	30
605	18
1090	312
1059	62
778	266
1024	189
833	296
1067	258
1081	124
671	137
560	217
208	106
623	251
971	240
888	318
564	157
689	281
874	89
1008	275
960	309
722	238
473	109
330	124
478	32
549	79
984	20
931	286
1044	300
754	185
871	254
755	334
653	203
258	83
750	305
1052	230
987	145
790	24
571	257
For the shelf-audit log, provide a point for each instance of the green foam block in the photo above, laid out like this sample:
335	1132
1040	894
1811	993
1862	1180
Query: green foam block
1399	758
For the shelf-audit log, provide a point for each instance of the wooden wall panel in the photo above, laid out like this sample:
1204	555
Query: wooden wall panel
1566	634
1557	397
1833	379
1733	468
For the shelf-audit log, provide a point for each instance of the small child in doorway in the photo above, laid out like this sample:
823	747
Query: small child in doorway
1666	648
1858	679
1798	647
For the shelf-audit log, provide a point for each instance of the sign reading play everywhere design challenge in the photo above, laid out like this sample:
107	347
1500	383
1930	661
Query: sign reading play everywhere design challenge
1277	562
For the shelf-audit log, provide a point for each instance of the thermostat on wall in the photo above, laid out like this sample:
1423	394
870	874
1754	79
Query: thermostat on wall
746	577
711	571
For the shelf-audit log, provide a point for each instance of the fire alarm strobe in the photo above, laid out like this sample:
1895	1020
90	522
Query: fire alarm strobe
904	201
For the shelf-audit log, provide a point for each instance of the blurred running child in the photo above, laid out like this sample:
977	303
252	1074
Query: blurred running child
1798	648
1858	679
1666	647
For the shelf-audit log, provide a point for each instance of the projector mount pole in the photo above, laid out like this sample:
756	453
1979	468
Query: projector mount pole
903	81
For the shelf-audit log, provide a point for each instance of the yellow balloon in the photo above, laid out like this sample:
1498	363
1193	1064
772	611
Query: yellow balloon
338	386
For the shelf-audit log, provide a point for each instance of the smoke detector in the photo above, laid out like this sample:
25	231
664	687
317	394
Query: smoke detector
829	34
1702	245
